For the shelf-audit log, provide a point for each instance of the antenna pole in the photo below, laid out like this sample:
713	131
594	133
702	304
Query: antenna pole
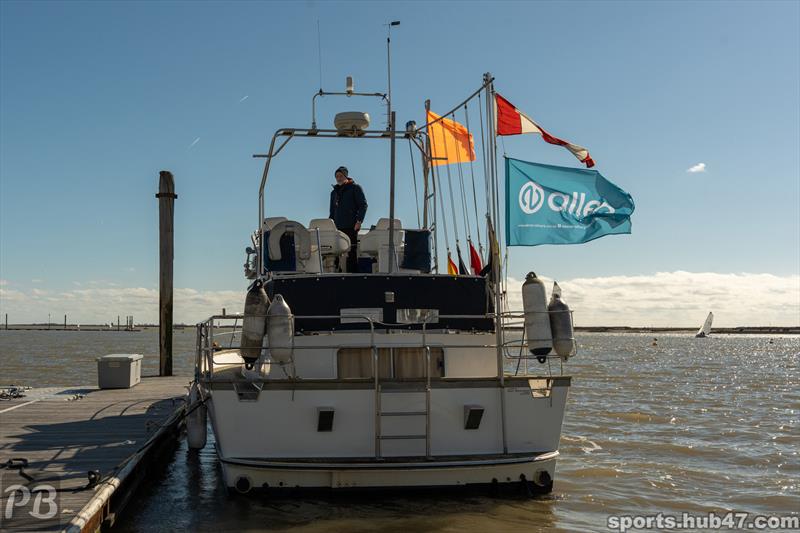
389	72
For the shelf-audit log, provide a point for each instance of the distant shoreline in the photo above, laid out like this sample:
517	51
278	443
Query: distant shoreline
752	330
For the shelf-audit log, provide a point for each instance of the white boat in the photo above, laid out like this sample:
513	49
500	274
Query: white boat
392	378
705	329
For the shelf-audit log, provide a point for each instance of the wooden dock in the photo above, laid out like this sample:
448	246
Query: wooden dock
52	438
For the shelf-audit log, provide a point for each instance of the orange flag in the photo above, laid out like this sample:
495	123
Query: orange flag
450	141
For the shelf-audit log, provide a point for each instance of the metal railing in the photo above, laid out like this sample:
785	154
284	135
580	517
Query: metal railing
207	347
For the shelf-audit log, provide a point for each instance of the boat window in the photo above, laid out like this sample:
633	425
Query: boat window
417	316
400	363
410	362
355	315
353	363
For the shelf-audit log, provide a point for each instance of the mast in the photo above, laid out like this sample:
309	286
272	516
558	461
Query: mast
495	249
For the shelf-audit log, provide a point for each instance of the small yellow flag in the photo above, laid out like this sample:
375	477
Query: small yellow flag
450	141
451	266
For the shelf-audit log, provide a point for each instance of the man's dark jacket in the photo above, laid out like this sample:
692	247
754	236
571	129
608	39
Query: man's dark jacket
348	204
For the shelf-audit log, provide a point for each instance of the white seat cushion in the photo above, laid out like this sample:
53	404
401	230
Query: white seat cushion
332	241
379	236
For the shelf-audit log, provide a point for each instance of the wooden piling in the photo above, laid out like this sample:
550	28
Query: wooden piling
166	201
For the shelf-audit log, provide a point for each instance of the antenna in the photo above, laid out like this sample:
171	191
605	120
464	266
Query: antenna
319	55
389	70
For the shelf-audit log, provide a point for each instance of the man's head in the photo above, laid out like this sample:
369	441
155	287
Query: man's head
341	175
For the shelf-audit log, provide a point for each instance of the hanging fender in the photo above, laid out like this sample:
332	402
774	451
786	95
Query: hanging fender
301	237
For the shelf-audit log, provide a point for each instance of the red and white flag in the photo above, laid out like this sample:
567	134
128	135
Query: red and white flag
512	121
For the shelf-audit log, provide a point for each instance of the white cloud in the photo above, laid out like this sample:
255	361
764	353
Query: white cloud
36	280
245	97
660	299
3	282
699	167
679	299
197	140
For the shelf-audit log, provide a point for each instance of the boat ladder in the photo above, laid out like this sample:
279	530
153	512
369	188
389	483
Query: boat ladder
380	414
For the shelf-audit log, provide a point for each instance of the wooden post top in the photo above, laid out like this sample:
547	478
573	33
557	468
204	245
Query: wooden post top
166	185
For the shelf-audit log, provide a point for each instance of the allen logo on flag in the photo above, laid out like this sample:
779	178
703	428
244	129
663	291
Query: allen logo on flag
547	204
531	199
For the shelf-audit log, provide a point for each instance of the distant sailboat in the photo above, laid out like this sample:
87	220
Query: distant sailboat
705	330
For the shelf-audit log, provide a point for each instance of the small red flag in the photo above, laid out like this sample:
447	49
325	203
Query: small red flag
475	260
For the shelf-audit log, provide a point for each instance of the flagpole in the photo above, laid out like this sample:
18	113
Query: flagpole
495	248
392	257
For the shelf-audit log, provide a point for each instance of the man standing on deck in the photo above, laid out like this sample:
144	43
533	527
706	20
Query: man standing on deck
348	208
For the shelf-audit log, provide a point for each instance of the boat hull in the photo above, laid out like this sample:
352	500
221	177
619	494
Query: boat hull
272	439
533	472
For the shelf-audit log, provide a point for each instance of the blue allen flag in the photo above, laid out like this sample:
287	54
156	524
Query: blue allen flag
546	204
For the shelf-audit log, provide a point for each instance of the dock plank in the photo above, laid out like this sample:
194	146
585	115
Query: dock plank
64	433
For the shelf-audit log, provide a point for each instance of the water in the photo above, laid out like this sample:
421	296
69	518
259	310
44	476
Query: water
690	425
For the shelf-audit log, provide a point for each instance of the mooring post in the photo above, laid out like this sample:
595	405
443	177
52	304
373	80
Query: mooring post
6	321
166	200
65	321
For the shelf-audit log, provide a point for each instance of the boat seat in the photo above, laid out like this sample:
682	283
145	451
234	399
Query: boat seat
271	222
378	237
302	239
331	240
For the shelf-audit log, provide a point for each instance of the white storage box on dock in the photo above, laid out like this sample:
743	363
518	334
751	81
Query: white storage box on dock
119	370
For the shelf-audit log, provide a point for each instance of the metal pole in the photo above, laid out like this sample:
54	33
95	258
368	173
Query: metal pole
389	75
428	167
65	321
6	321
166	201
117	322
389	72
391	196
497	274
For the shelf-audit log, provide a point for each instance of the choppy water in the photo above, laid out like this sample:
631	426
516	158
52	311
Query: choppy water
691	425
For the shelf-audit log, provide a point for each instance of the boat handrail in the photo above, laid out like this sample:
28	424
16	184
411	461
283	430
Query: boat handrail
207	349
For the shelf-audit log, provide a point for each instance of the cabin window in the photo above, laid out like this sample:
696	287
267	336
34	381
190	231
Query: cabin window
356	315
399	363
417	316
353	363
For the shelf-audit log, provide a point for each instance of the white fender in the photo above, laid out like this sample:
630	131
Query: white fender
537	319
280	330
196	428
301	238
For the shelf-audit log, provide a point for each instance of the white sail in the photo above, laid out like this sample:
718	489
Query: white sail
705	329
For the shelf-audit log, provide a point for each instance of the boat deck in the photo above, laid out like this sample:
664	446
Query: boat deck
51	438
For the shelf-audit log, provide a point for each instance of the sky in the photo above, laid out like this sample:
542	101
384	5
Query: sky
691	107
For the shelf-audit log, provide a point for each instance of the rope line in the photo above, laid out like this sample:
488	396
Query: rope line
414	174
450	188
474	193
